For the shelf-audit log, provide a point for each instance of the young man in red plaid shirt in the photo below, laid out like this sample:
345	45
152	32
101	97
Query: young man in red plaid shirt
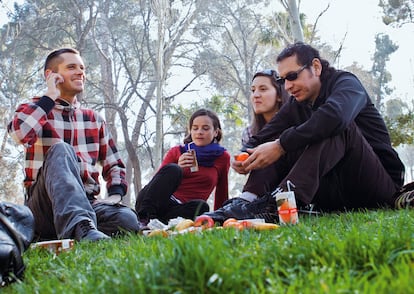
63	145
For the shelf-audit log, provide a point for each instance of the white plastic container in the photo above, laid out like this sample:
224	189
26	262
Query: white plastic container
286	207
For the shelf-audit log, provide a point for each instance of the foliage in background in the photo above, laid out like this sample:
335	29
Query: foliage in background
401	129
397	12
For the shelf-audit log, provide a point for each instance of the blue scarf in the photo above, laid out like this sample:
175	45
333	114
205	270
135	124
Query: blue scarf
206	155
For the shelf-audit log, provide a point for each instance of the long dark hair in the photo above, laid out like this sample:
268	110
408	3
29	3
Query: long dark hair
258	121
216	124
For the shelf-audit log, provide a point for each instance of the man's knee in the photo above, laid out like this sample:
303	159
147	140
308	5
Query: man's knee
128	219
59	150
113	220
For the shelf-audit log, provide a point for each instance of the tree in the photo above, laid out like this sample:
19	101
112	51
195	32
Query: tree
366	77
384	47
232	51
292	8
118	43
400	122
162	11
397	12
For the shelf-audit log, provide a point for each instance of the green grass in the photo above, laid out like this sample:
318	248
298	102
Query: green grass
359	252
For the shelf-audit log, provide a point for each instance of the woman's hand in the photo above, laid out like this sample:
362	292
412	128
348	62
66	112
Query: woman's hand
185	160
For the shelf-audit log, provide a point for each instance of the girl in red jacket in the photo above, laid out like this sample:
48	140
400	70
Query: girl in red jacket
179	189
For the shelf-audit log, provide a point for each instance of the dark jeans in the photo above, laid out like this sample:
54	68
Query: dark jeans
58	200
264	180
154	200
341	172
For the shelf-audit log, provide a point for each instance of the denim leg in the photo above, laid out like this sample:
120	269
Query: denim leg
115	219
58	198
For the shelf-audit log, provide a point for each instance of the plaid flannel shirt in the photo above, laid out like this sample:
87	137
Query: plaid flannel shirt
43	122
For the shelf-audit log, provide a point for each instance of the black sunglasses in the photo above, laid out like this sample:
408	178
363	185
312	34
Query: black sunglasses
291	76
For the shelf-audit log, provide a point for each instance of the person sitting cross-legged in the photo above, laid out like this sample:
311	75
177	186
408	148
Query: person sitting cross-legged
328	140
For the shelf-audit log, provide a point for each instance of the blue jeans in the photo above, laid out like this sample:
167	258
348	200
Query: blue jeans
58	200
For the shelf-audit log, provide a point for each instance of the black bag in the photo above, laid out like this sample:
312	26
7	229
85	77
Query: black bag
16	234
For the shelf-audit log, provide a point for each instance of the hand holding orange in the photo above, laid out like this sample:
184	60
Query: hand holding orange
241	156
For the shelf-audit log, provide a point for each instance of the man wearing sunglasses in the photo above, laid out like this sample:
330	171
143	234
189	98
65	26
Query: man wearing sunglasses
328	140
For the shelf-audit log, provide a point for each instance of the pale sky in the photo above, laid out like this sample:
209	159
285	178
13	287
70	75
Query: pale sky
361	20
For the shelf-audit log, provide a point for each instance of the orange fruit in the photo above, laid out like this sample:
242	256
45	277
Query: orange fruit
241	156
284	212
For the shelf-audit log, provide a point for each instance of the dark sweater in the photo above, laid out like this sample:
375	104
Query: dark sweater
342	99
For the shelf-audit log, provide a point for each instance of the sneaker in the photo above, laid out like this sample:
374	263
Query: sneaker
86	231
405	200
221	214
264	207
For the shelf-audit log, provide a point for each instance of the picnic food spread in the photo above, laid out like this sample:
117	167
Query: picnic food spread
201	223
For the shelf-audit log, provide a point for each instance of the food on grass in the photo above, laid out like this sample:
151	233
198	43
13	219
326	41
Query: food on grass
184	224
229	221
158	232
246	224
204	221
241	156
234	224
264	226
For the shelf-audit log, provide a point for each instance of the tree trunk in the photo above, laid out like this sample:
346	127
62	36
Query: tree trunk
105	61
297	30
161	10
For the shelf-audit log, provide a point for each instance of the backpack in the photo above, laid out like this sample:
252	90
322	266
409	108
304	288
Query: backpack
16	234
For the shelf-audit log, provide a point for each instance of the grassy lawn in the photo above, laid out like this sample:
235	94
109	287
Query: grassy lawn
359	252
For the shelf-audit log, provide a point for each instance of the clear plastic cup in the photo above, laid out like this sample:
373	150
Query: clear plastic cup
286	207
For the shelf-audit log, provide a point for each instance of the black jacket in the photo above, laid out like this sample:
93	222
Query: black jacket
342	99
